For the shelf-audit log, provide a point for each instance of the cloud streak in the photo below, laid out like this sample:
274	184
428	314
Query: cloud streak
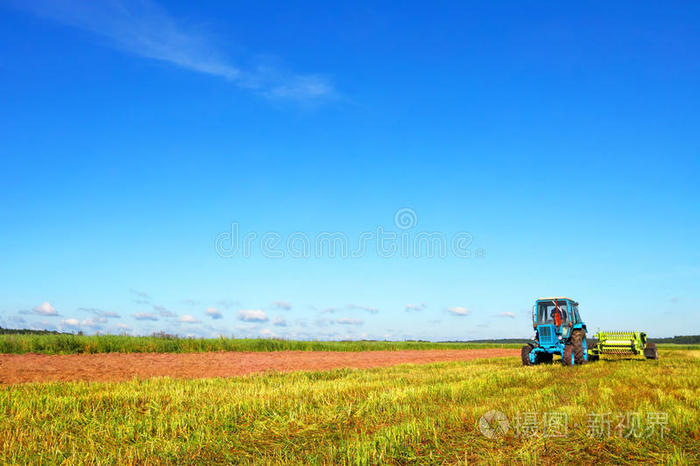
415	307
371	310
143	28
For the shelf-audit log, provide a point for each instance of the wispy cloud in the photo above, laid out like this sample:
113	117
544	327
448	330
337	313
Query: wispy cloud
227	303
415	307
371	310
145	316
100	312
279	322
143	28
283	305
163	311
510	315
140	294
16	320
214	313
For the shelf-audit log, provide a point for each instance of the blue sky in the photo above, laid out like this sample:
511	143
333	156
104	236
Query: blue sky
561	140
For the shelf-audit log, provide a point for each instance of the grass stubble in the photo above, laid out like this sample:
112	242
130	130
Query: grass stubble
398	415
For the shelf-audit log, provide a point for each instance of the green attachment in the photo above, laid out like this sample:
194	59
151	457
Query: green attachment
620	342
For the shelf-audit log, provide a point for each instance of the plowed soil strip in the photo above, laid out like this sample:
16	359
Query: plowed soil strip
21	368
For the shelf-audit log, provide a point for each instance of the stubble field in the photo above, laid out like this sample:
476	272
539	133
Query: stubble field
615	411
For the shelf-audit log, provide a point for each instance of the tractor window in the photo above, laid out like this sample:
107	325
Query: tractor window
545	312
576	316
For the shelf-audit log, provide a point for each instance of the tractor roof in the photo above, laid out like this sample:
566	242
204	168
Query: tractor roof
557	298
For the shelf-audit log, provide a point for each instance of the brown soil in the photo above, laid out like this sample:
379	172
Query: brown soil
21	368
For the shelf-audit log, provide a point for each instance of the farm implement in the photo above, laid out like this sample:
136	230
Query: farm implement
559	330
622	343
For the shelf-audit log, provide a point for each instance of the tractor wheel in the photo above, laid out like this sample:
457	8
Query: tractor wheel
525	355
568	358
580	349
650	351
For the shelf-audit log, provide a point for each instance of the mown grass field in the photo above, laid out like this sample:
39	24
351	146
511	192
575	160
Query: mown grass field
72	344
403	414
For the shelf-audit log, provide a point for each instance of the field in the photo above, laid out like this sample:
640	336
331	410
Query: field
402	414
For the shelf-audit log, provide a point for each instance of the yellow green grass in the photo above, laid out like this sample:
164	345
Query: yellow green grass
400	415
73	344
86	344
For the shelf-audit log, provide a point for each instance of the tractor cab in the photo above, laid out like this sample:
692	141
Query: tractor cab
558	330
560	314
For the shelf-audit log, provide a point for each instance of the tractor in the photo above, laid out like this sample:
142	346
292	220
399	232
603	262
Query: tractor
560	330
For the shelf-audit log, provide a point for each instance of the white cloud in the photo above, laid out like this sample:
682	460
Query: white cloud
143	28
415	307
458	311
214	313
252	315
45	309
145	316
93	323
188	319
266	332
346	321
507	314
70	323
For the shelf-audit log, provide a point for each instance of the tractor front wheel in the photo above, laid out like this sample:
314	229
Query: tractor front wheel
525	355
650	351
568	358
580	349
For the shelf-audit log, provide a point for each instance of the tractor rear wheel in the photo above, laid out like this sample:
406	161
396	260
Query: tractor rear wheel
525	355
580	350
650	351
568	358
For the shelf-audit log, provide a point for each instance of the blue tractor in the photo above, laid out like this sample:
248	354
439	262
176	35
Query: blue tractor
558	330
